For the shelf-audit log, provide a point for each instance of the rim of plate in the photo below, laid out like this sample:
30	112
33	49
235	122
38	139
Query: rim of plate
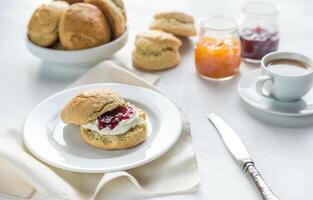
256	105
101	170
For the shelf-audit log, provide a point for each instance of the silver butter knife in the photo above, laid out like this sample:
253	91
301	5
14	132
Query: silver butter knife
239	152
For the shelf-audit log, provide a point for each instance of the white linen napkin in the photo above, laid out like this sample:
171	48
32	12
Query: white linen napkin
24	176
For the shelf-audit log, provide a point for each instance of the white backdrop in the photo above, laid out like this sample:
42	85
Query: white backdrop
283	155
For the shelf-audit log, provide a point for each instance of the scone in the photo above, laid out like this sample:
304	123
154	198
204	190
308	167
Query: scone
114	10
83	26
106	121
156	50
43	25
57	46
72	1
178	23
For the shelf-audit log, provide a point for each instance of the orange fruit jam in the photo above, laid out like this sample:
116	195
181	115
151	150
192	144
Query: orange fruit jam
216	58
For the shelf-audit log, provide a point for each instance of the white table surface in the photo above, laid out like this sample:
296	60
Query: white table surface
283	155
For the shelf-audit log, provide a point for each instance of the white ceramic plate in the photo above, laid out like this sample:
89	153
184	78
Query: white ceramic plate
247	92
60	145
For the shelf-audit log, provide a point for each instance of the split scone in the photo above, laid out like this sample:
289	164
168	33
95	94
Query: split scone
156	50
106	121
83	26
178	23
44	23
114	10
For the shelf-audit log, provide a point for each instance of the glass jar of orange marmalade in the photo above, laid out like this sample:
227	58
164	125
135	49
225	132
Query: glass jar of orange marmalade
217	52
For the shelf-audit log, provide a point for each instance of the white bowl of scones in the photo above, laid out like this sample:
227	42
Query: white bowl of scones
76	32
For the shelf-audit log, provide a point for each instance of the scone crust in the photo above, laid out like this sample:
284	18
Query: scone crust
131	138
114	10
180	16
83	26
155	62
43	25
72	1
156	50
88	105
178	23
157	37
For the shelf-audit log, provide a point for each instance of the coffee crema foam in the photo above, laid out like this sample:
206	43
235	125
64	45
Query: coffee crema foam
289	67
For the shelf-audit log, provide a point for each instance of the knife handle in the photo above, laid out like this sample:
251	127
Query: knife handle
264	189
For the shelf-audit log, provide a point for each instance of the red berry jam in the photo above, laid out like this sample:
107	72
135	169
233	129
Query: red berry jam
257	42
112	118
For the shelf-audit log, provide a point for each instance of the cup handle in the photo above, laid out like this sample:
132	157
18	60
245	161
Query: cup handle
260	84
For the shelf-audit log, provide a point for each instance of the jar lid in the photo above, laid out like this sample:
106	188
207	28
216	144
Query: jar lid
219	23
260	8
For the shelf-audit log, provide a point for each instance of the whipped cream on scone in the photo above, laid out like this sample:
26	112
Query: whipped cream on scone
115	122
106	120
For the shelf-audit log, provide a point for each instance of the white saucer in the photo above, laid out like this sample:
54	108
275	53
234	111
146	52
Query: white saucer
60	145
246	89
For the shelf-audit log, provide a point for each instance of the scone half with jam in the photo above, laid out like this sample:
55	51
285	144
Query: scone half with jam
106	120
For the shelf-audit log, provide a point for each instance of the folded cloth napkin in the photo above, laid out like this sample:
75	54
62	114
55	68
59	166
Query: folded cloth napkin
24	176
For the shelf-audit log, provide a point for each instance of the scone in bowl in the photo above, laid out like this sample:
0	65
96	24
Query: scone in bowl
78	58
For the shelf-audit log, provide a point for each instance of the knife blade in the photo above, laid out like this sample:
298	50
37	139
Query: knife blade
240	153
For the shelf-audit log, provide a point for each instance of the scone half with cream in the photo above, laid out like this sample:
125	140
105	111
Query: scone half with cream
106	120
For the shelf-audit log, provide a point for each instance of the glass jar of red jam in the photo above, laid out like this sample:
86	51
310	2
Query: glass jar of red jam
217	51
258	30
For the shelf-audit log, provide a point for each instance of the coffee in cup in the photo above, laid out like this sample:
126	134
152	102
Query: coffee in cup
288	67
286	76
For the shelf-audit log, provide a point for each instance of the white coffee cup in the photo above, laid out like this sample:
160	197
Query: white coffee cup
283	83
